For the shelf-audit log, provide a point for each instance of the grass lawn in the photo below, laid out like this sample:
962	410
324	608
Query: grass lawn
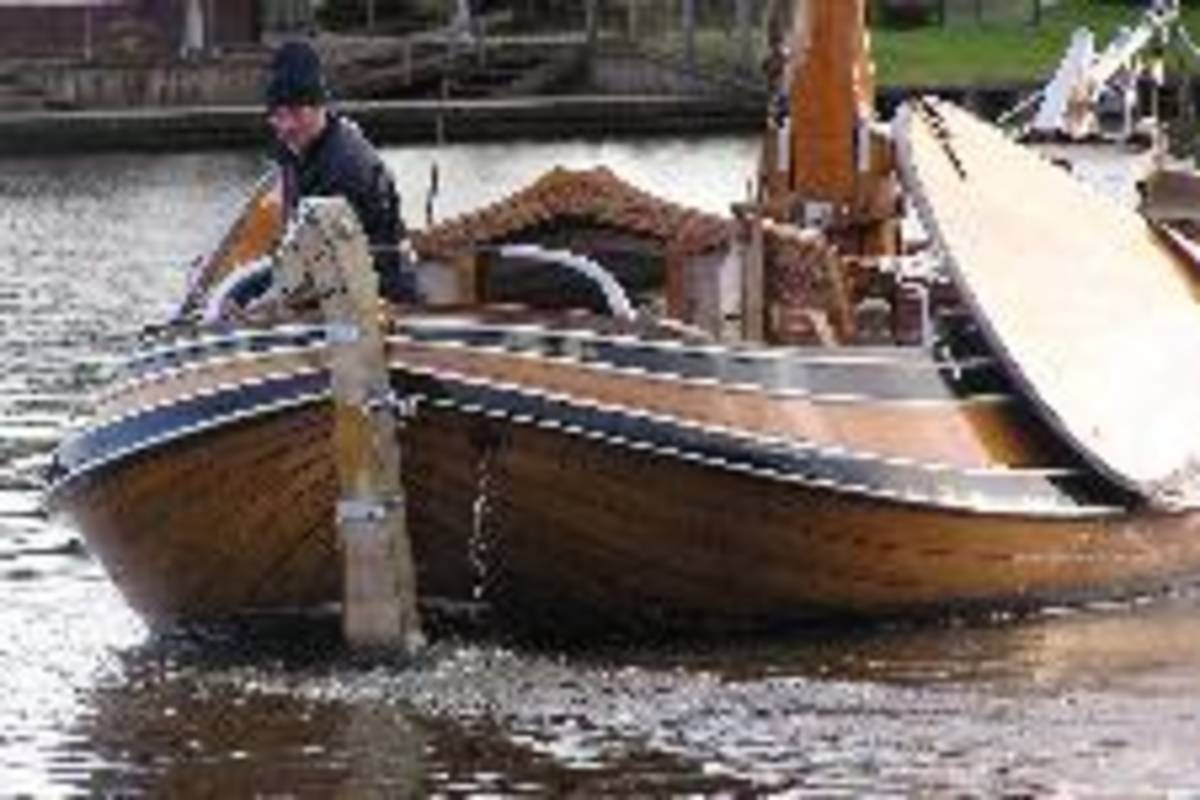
962	54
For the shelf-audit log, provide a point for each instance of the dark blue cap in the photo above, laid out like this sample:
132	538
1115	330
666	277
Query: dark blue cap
296	78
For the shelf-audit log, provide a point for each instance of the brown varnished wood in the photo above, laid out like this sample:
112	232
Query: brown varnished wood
831	93
237	530
575	538
965	434
196	528
968	434
270	557
444	476
723	545
167	386
254	233
243	519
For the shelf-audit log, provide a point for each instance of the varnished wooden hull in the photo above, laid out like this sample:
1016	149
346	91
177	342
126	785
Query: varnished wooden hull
207	489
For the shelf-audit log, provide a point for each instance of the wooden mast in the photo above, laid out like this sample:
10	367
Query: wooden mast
831	100
826	164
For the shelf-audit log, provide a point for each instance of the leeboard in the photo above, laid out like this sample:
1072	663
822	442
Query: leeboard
1094	316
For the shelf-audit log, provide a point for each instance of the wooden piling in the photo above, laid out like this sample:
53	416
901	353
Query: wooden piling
327	256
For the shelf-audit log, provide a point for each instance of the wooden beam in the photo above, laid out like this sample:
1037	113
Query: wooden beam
329	256
832	87
754	282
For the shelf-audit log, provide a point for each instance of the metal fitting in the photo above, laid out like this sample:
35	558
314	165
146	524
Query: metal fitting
342	333
351	512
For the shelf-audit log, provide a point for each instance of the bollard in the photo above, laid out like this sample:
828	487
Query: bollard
327	255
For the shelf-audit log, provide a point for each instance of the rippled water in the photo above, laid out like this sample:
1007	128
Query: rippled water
1103	700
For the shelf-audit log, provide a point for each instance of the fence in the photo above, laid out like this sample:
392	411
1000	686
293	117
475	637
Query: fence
286	15
960	12
730	36
722	36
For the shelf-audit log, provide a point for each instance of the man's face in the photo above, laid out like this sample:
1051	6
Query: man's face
297	126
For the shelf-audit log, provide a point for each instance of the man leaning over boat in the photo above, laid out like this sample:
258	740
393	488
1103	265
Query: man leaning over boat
321	153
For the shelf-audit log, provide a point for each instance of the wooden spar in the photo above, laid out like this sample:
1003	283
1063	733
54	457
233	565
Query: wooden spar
254	232
825	162
328	254
750	248
832	89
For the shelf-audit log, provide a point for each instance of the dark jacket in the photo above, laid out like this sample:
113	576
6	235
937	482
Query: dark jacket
342	163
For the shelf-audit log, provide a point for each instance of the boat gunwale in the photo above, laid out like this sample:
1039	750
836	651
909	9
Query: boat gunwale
819	451
249	357
73	475
925	367
87	466
901	356
563	397
112	394
989	398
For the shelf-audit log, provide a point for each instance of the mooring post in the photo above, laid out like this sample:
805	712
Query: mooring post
327	256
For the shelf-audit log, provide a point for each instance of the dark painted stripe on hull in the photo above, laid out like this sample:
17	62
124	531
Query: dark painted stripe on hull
206	347
169	422
1029	492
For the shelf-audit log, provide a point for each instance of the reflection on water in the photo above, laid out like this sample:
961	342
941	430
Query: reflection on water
1068	701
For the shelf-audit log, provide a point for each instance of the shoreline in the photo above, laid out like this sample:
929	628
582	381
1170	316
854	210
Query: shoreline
148	130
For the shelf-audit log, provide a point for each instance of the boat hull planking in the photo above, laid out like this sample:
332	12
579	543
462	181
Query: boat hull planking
549	512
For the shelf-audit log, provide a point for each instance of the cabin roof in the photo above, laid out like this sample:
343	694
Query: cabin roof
596	196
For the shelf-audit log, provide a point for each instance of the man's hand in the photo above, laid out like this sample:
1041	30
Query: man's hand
262	311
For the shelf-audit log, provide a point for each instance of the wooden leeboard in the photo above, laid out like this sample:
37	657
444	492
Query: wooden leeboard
1095	318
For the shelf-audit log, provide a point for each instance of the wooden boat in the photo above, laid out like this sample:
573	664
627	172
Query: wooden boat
818	425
